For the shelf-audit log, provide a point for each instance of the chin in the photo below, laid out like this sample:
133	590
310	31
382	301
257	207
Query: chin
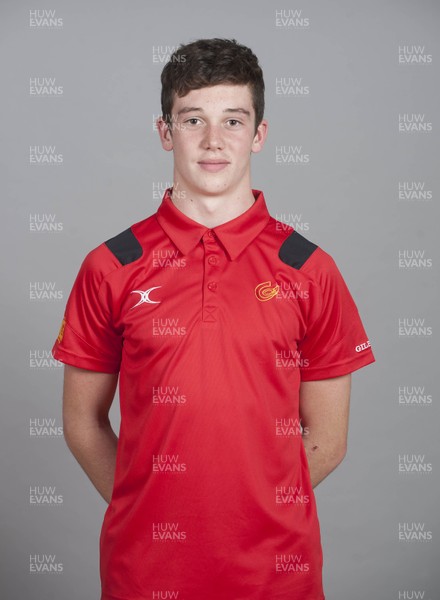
211	187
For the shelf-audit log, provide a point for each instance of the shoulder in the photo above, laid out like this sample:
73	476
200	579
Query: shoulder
116	252
125	247
304	255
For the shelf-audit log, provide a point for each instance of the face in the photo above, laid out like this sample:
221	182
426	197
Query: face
212	136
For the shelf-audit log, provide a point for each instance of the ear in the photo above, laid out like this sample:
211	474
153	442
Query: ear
166	138
260	136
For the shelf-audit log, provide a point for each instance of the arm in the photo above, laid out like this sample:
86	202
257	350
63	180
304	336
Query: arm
324	411
87	397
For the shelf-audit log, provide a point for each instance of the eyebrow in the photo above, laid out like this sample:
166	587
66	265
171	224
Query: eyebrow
187	109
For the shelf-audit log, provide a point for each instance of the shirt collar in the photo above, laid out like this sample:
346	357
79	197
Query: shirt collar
234	235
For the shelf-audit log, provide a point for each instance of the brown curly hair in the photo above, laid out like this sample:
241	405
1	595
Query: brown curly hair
208	62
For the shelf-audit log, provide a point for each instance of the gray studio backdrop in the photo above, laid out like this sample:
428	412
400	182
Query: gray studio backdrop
351	160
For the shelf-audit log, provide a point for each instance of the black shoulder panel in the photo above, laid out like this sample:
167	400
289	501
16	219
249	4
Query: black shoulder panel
296	249
125	247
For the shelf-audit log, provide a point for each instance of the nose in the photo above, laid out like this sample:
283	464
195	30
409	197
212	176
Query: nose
213	138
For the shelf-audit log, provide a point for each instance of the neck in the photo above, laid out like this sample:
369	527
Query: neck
212	210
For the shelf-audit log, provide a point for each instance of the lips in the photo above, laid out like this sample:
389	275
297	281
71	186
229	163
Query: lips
213	165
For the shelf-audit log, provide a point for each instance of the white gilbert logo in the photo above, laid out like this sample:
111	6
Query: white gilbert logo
145	296
363	346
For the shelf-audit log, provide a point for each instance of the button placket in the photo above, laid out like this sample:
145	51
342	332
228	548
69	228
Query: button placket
210	279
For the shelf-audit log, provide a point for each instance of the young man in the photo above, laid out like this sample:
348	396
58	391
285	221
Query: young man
234	339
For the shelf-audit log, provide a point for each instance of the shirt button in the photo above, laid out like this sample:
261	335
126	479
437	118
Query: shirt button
212	286
212	260
210	233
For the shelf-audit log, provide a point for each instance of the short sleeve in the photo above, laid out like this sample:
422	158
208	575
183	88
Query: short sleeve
88	338
335	342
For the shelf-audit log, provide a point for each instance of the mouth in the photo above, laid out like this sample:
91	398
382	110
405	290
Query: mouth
213	165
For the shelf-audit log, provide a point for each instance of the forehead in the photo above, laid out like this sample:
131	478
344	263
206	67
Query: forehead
219	96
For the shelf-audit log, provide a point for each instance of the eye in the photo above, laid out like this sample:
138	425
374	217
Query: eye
192	119
234	122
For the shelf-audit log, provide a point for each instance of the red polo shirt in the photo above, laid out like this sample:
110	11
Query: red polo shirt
211	331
